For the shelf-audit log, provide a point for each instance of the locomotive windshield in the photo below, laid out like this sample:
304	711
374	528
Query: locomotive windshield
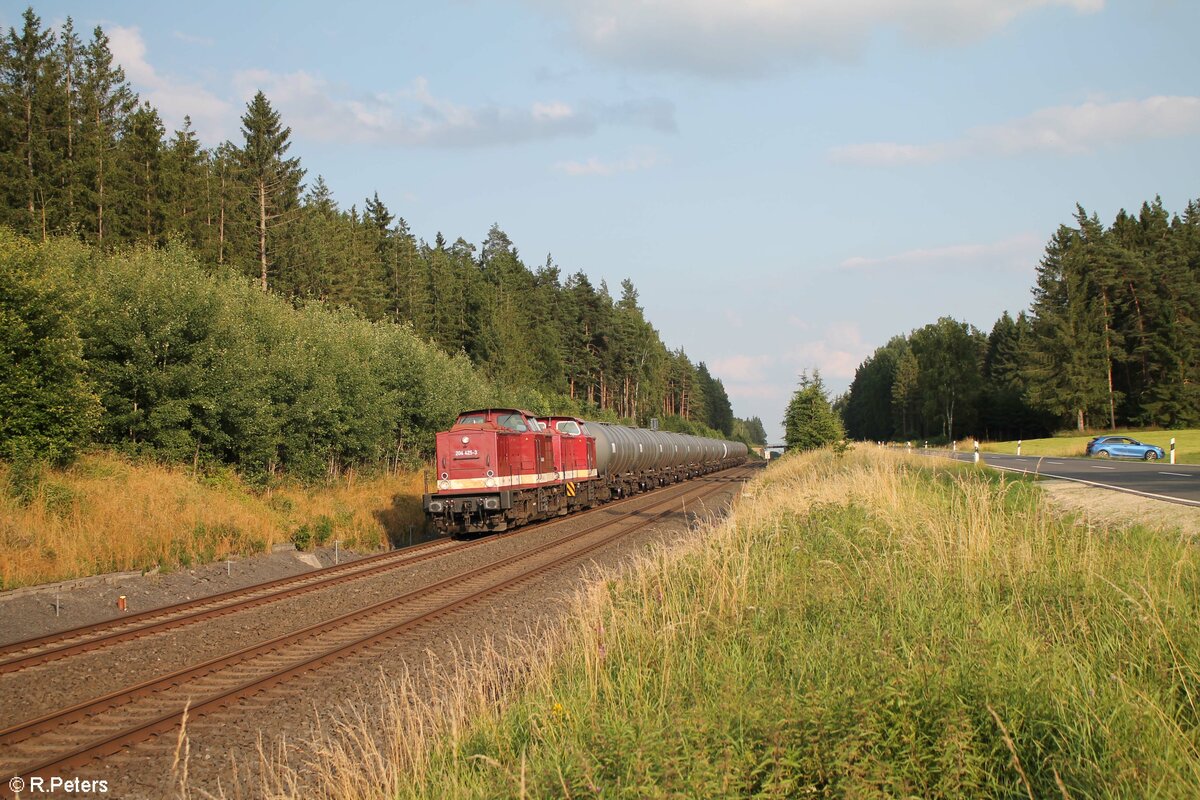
472	419
567	426
514	422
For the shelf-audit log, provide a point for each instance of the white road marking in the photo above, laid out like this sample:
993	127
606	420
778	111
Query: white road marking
1176	474
1056	463
1094	466
1125	489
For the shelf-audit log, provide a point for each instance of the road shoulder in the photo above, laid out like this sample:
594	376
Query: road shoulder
1121	508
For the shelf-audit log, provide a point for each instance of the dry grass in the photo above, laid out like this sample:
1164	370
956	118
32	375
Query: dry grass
868	626
105	514
386	739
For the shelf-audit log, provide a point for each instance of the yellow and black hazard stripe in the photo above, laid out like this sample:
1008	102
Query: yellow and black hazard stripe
570	489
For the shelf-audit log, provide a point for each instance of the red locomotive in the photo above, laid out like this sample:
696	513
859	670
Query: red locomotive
502	467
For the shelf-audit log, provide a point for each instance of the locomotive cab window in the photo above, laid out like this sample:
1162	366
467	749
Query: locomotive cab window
472	419
514	422
569	427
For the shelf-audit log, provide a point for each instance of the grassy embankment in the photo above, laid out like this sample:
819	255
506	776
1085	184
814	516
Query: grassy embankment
105	514
1187	444
865	626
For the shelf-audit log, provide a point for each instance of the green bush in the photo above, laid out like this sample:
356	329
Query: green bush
196	365
47	408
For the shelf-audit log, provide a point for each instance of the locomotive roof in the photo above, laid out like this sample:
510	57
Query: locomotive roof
497	410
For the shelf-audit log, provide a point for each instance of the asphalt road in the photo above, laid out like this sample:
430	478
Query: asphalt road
1174	482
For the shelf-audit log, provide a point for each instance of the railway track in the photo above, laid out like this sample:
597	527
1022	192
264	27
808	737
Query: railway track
68	738
33	652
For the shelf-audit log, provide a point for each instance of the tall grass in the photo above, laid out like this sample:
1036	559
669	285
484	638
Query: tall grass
107	514
865	626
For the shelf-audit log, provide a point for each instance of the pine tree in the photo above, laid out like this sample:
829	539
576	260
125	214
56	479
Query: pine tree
106	101
1067	364
904	390
810	421
718	410
273	181
868	407
548	329
1173	395
312	258
508	312
29	111
949	355
448	315
1005	412
141	205
582	337
71	69
183	186
224	200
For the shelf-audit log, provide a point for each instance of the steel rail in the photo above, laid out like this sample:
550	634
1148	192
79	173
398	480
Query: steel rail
113	743
109	632
116	630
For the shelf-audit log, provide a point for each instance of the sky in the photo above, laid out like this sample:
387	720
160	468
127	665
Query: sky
788	183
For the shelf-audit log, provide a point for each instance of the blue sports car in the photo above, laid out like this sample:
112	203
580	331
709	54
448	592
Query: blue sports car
1123	447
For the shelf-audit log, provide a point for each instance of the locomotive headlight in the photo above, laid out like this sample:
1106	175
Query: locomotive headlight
466	440
443	484
489	482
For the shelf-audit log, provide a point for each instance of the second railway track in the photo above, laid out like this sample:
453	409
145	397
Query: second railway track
57	741
32	652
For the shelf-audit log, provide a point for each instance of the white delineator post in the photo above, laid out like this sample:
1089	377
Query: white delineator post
977	452
1172	449
1018	447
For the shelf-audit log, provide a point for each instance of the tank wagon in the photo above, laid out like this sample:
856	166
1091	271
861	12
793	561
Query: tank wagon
498	468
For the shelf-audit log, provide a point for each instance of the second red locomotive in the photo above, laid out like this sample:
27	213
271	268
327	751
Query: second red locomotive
502	467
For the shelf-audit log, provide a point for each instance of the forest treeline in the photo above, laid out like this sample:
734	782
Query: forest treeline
171	222
1112	338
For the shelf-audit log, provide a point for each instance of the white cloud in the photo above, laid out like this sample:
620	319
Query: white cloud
415	117
836	352
741	368
594	167
1017	252
1066	130
744	392
174	98
729	39
409	117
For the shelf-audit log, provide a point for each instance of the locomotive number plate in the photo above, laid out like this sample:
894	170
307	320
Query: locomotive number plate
466	454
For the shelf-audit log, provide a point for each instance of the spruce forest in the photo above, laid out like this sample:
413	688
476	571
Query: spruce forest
1112	338
216	305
